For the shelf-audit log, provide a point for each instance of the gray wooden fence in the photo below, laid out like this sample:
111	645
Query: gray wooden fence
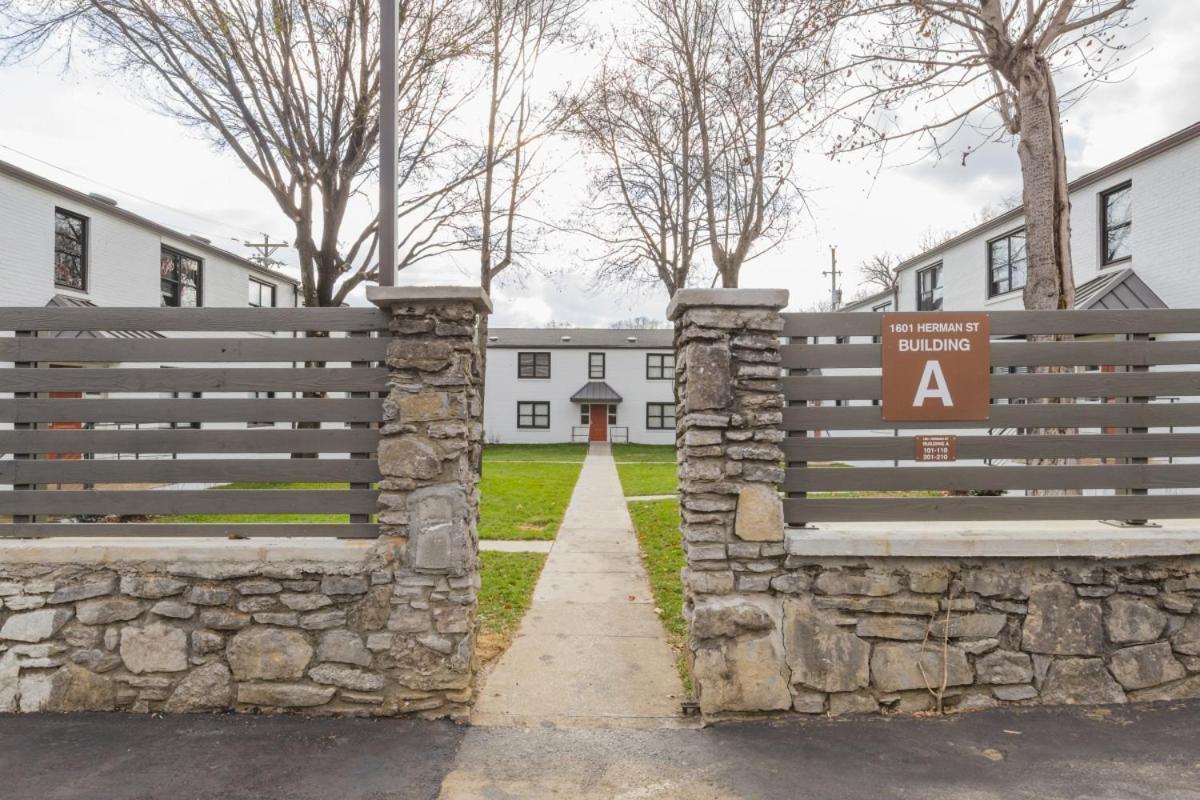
1123	440
78	393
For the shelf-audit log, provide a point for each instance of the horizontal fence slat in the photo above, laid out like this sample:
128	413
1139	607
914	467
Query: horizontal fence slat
258	349
1003	415
187	410
214	501
224	530
198	379
886	448
1077	384
977	509
1124	476
193	319
1011	323
856	355
263	440
191	470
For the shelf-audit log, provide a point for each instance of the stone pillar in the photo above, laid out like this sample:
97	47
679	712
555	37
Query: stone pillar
429	495
728	430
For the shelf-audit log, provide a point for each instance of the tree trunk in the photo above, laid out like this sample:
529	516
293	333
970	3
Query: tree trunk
1050	282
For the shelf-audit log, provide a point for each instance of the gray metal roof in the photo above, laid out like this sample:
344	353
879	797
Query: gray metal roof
596	392
1115	291
593	338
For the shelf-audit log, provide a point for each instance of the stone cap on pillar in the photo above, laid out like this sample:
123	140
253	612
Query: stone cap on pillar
387	296
684	299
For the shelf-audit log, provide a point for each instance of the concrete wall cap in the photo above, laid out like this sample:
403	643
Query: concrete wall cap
108	550
384	296
998	541
726	298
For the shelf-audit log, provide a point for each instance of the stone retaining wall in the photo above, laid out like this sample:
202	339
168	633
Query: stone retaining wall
247	631
779	623
892	634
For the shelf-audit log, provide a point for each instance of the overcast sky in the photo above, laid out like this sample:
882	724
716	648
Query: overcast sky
91	131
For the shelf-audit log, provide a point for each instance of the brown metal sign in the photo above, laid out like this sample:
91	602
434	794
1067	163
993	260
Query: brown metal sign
936	367
936	448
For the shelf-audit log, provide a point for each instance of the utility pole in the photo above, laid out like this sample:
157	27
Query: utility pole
388	110
266	248
835	294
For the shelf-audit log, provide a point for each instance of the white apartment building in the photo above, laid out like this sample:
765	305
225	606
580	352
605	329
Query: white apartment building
573	384
63	247
56	241
1133	224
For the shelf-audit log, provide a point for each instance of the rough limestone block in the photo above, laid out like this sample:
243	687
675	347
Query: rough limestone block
871	584
1080	681
1132	620
709	382
1146	665
109	609
409	456
1061	623
34	626
154	648
728	615
345	647
1004	666
284	695
1186	641
268	654
439	540
897	667
744	674
759	514
820	654
207	688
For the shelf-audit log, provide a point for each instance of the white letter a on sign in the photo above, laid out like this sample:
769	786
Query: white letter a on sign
933	385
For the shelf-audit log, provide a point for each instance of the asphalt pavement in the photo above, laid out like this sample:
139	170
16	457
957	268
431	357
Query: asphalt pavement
1126	752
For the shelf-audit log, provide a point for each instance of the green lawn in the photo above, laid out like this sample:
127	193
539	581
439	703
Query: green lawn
535	452
657	526
524	500
640	479
643	452
505	592
281	518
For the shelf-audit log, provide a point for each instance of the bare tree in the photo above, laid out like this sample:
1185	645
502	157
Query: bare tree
639	323
879	272
990	65
646	207
750	69
518	33
292	89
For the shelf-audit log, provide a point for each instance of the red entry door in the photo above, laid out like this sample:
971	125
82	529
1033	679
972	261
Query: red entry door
598	430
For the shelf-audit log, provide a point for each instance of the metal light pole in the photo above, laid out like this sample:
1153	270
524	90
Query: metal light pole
387	142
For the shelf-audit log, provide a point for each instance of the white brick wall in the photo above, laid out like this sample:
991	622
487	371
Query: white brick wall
1166	238
625	372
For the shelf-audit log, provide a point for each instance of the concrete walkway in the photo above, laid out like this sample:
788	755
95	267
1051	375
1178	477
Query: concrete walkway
591	652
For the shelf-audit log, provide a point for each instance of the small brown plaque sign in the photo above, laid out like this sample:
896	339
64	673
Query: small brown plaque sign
936	367
937	448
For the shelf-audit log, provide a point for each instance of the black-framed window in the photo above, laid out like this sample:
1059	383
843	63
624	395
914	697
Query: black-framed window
1007	261
1116	224
533	365
70	250
660	366
929	288
179	278
595	366
585	414
533	414
262	294
612	414
660	416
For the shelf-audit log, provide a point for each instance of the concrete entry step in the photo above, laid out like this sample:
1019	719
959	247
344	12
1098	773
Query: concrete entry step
591	651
